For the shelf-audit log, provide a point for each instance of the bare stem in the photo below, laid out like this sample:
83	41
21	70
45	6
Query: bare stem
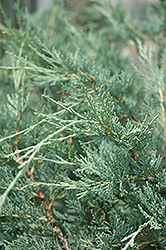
137	32
163	117
48	207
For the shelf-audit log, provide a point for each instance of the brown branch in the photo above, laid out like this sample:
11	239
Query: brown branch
57	230
145	244
31	89
48	207
163	35
163	117
63	92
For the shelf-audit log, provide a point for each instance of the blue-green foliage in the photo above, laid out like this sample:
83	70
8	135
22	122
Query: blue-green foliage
77	127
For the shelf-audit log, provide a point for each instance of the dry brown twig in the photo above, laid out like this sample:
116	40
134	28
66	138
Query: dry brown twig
48	207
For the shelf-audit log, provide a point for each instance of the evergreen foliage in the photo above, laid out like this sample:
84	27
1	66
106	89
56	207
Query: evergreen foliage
83	128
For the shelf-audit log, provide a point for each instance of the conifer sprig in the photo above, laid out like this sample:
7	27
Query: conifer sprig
82	147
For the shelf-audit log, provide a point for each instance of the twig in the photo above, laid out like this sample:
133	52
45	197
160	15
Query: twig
137	32
48	207
163	117
51	23
163	35
63	92
31	89
132	236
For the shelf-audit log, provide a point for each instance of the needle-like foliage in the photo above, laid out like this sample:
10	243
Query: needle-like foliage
83	128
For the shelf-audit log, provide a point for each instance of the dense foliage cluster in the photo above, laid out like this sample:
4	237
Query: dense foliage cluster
83	128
